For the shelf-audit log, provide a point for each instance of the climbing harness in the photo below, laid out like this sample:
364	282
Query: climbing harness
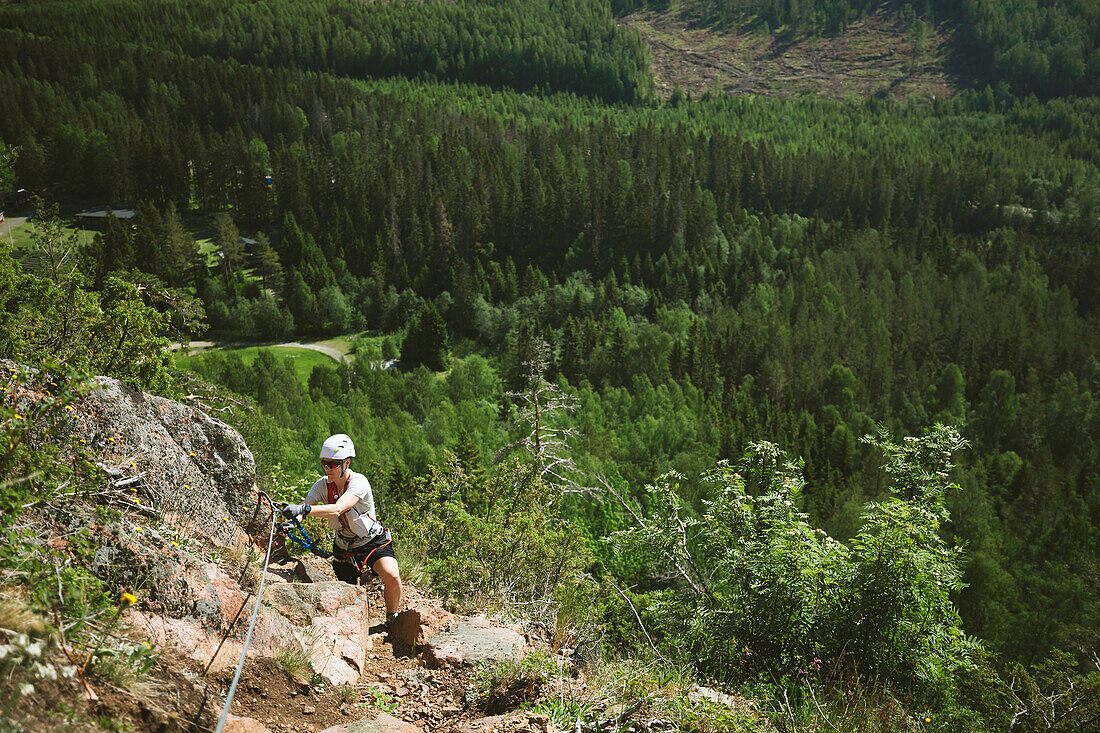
252	624
348	556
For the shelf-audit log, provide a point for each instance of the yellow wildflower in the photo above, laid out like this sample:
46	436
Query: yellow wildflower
128	599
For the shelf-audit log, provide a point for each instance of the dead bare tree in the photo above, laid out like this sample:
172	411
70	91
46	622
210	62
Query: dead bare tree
1069	702
542	406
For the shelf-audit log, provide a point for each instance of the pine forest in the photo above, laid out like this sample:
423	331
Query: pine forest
728	382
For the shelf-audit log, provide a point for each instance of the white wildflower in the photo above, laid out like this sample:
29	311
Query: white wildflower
26	689
44	671
67	670
5	650
33	650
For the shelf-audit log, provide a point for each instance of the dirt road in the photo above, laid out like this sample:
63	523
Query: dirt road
11	222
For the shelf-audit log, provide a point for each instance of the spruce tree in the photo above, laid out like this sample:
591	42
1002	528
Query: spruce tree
228	241
426	342
267	262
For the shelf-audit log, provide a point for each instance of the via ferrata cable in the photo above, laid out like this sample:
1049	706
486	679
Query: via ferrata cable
252	624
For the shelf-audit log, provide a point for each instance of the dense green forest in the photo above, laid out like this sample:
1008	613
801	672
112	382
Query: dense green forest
472	183
537	45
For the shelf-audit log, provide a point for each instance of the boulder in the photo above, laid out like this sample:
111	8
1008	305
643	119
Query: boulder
196	640
471	641
415	626
302	602
382	724
193	469
333	625
337	646
187	636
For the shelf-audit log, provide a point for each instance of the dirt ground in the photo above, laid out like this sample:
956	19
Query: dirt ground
877	55
175	695
392	681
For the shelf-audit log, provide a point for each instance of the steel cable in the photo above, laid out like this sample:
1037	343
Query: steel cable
251	625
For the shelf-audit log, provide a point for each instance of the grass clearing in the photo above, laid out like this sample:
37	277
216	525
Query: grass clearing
20	237
204	238
304	360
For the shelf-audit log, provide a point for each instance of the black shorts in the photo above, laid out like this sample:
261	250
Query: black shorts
362	558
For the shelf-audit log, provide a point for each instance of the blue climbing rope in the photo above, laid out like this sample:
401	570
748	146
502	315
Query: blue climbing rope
294	531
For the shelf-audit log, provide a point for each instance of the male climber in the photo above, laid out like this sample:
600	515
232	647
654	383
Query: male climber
361	543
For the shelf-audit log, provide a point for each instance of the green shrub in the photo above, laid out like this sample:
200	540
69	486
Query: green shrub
513	550
123	665
507	685
770	594
111	332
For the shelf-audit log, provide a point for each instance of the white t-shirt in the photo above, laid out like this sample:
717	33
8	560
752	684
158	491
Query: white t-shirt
358	521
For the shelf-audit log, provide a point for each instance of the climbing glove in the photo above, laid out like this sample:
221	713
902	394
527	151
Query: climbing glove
290	511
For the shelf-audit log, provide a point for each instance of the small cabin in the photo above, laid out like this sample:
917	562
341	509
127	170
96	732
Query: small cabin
95	218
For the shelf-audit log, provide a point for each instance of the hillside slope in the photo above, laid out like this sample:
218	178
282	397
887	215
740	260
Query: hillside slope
171	524
881	54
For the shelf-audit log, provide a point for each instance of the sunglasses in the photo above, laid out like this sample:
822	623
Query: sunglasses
330	464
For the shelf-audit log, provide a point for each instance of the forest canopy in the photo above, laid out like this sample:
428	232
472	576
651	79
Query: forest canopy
465	189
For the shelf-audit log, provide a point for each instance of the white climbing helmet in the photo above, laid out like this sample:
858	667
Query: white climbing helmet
337	448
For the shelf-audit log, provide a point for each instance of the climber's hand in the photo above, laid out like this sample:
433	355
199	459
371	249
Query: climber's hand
292	511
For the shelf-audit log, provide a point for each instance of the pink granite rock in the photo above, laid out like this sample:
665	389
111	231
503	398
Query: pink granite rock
333	625
233	724
416	626
193	468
